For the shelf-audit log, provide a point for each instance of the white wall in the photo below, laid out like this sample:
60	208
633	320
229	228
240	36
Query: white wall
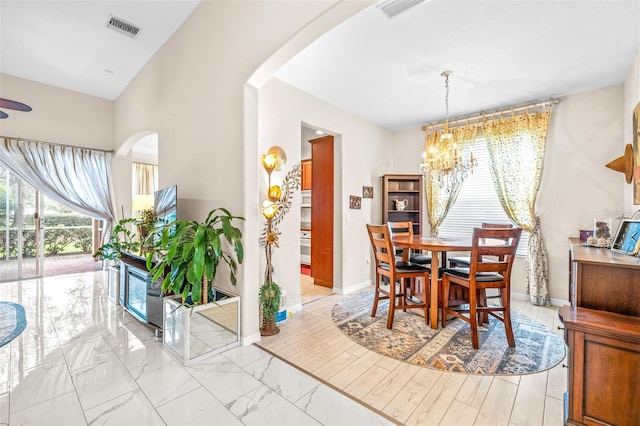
65	117
631	100
305	147
194	94
362	157
584	134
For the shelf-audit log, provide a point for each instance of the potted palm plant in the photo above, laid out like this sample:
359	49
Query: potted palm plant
198	320
121	239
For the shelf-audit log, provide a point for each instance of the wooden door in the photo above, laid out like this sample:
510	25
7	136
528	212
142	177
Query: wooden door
322	211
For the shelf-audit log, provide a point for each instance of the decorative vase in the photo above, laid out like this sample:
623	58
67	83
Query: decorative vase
269	327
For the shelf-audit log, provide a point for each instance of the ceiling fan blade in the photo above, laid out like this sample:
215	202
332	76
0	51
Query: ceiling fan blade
3	115
18	106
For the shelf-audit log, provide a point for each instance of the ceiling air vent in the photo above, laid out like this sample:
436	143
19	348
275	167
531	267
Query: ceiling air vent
122	26
392	7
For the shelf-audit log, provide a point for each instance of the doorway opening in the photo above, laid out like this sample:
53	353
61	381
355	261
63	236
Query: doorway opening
316	215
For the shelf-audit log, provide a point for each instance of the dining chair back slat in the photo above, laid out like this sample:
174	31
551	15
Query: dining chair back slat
405	229
464	261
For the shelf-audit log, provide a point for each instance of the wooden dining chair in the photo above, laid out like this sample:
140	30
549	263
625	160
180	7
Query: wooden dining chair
404	229
464	261
404	292
483	274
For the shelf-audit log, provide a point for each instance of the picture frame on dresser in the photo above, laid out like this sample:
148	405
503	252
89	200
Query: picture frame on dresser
627	239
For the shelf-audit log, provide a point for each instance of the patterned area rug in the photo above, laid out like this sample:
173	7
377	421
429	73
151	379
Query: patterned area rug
12	321
411	340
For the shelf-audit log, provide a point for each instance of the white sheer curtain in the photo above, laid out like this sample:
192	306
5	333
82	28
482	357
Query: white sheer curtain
79	178
145	178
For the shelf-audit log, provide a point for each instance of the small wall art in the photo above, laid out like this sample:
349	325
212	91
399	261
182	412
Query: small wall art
367	192
355	202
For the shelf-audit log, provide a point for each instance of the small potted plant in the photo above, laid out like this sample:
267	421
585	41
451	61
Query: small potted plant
146	225
121	239
269	305
187	258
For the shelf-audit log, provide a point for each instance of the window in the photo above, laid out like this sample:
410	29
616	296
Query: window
478	202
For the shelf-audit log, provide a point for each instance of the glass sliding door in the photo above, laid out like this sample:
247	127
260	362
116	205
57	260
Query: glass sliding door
40	237
21	246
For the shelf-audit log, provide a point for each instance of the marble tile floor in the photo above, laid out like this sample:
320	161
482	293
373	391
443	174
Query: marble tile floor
83	360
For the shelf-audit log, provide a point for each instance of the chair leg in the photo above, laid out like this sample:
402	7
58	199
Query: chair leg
392	303
426	298
406	289
376	298
473	318
446	285
506	304
483	317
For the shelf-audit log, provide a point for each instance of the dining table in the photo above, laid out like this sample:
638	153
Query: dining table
438	246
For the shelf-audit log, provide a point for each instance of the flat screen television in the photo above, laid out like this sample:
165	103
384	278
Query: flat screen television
627	240
166	205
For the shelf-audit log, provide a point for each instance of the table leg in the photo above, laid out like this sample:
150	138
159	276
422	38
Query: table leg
433	307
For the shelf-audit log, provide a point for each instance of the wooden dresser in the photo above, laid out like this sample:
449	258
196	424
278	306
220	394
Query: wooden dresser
602	331
604	281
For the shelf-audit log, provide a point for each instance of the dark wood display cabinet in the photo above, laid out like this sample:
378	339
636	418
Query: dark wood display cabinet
400	188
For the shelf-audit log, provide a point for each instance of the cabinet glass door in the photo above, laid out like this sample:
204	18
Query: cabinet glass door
137	293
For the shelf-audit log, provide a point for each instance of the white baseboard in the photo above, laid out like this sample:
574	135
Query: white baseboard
251	339
554	302
352	288
292	310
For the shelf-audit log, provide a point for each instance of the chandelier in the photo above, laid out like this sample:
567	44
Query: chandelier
443	159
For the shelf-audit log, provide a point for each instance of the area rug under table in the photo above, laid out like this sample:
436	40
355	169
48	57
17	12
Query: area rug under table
12	321
413	341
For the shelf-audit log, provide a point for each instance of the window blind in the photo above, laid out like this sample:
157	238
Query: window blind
478	202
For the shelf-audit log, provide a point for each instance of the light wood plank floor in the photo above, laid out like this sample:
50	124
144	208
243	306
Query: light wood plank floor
309	291
413	395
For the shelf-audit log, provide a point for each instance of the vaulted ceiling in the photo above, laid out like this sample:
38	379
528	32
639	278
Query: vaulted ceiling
386	70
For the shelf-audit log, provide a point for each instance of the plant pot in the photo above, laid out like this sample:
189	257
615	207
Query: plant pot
113	284
195	333
269	327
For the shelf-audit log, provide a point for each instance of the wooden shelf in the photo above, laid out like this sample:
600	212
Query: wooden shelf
400	187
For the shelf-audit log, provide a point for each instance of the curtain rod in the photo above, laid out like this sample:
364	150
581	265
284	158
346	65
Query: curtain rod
551	102
58	144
